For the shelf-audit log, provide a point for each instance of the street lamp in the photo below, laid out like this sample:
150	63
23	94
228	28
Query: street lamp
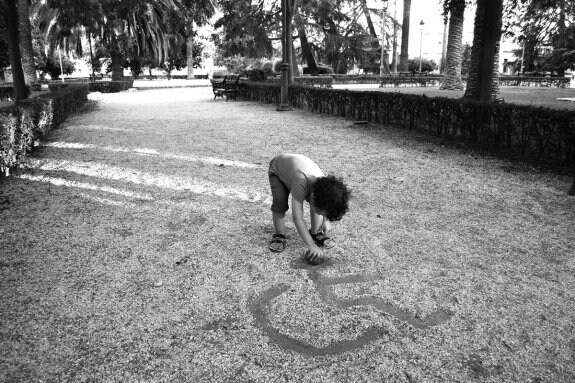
284	66
421	24
382	59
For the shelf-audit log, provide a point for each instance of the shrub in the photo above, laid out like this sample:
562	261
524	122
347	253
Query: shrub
255	75
7	92
27	122
322	69
111	86
268	68
54	86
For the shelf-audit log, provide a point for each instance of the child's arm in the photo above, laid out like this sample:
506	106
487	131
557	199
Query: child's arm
325	226
297	213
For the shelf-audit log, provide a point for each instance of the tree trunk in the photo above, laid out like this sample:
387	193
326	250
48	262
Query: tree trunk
394	50
404	55
117	67
365	10
562	35
483	68
26	49
11	20
293	62
190	48
306	52
444	48
376	43
452	78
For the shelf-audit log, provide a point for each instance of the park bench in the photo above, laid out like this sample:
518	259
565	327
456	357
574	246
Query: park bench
227	87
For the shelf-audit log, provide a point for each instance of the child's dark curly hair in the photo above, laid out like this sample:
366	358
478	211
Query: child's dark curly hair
332	196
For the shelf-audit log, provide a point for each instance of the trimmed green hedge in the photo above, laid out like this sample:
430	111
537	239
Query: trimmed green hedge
7	92
111	86
531	133
27	122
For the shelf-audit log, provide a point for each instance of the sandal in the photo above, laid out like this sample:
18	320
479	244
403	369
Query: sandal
278	243
322	240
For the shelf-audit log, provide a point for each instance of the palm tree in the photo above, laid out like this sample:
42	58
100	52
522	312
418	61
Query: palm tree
26	48
9	12
121	27
483	80
452	77
404	55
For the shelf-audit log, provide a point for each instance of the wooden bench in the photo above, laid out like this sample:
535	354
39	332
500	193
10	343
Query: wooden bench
228	87
231	86
218	87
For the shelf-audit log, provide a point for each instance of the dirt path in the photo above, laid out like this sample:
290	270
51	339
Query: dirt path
133	247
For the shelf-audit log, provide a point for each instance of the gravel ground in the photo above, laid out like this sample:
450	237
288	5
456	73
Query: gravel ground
133	247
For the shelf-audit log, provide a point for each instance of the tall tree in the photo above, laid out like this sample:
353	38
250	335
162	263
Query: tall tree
246	29
9	12
404	55
122	27
376	44
306	49
197	12
452	76
26	47
483	80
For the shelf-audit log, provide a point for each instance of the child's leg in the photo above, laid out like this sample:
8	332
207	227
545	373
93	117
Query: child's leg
279	222
280	195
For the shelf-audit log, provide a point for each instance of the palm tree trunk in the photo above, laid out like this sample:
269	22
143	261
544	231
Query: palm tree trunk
483	68
26	49
11	20
190	49
404	55
452	79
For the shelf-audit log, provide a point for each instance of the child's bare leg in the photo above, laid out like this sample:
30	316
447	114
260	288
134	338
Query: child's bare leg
279	222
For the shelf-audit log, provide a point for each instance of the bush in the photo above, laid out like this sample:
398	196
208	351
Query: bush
27	122
111	86
322	69
7	92
268	68
54	86
426	65
255	75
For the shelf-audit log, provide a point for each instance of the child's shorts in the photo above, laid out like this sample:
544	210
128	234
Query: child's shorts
280	192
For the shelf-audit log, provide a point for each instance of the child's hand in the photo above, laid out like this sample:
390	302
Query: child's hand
314	255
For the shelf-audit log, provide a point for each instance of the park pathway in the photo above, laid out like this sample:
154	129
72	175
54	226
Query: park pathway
133	247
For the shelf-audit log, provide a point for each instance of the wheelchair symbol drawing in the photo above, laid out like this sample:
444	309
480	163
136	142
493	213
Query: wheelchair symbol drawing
324	286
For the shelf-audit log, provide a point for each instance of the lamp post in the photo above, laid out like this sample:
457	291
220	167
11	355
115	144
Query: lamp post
421	24
382	59
284	66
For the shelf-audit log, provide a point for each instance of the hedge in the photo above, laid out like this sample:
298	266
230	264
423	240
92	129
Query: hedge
24	124
111	86
7	92
533	134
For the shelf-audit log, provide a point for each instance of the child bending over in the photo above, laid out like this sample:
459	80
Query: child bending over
328	200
